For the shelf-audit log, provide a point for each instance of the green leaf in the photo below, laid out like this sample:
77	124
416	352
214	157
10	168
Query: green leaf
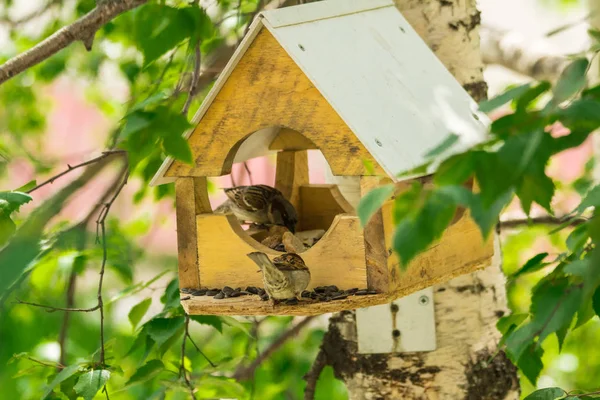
91	382
146	372
531	363
513	320
64	374
12	201
450	141
415	234
456	169
537	188
134	122
553	305
591	199
223	386
159	28
372	202
211	320
584	314
498	101
26	187
571	81
561	335
138	311
161	329
7	228
234	323
596	301
532	265
177	147
552	393
525	100
581	114
578	238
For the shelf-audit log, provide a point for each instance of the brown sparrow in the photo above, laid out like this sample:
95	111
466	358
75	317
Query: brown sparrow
285	277
260	204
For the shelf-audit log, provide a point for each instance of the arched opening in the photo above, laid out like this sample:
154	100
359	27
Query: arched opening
286	160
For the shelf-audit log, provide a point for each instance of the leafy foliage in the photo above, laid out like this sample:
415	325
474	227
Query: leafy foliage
513	163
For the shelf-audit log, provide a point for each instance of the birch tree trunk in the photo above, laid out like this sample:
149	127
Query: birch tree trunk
467	307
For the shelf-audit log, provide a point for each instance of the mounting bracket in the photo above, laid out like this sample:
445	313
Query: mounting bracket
405	325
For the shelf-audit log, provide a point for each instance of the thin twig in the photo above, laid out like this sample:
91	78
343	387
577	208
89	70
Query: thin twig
545	220
182	370
259	8
52	309
101	222
200	351
70	295
71	168
82	30
244	373
195	79
312	376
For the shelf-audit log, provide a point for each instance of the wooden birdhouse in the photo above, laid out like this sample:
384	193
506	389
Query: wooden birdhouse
352	79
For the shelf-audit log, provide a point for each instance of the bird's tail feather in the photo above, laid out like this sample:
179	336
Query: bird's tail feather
260	259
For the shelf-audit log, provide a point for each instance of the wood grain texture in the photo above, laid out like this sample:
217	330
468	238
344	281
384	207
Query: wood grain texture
291	173
201	195
266	89
337	259
288	139
460	250
376	254
320	205
253	305
187	250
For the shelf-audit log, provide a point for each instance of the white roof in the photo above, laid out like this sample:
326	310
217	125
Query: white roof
378	75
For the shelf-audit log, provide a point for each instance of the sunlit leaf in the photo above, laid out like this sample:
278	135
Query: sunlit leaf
91	382
571	81
161	329
552	393
146	372
64	374
500	100
138	311
373	201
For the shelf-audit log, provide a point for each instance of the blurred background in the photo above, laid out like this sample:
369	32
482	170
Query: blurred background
65	110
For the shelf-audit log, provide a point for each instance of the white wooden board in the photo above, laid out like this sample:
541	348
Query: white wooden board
380	77
411	328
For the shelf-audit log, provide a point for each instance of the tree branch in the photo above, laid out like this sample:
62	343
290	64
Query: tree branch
244	373
515	52
312	376
82	30
70	168
544	220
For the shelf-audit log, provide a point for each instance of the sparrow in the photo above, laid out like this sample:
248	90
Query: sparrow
260	204
285	277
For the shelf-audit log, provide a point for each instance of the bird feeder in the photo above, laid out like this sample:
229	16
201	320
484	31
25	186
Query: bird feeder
355	81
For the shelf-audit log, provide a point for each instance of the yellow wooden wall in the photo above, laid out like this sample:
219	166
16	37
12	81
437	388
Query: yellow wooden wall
266	89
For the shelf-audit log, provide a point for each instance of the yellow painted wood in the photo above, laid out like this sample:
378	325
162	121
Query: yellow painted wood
337	259
460	250
187	250
291	173
320	205
267	89
253	305
376	254
288	139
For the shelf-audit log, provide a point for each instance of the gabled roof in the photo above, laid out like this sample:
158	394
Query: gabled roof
377	74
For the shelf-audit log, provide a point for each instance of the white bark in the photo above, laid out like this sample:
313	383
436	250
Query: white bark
520	54
467	307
